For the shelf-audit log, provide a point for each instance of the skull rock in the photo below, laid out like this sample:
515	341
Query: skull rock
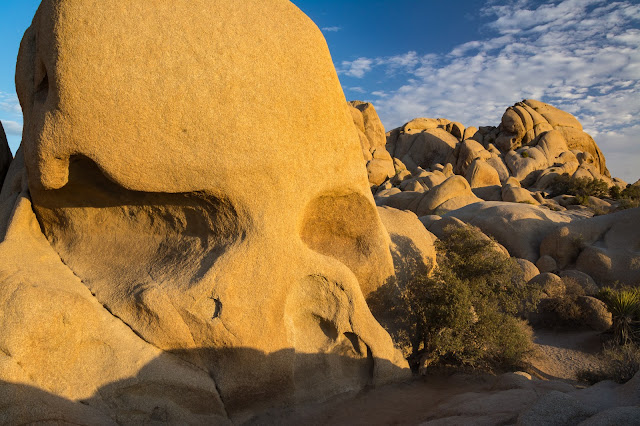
195	165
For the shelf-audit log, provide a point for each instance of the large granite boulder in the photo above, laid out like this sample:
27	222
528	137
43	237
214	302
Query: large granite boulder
372	141
607	247
423	143
412	248
451	194
518	227
526	122
151	236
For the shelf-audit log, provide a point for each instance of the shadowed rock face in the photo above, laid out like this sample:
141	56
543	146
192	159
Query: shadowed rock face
195	165
5	155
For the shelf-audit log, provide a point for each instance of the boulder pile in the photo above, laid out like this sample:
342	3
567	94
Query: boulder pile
504	180
501	179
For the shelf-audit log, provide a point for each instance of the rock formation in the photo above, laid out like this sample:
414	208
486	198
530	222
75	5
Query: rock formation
5	155
499	179
412	246
188	233
606	248
185	245
533	144
372	141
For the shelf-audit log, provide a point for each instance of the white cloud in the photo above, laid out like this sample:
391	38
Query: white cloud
623	152
357	89
9	103
331	29
379	93
399	62
12	127
357	68
582	56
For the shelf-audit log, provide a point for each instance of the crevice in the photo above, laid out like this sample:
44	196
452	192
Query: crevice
215	383
126	324
217	309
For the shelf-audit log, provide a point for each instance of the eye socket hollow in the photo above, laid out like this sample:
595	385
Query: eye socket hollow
347	228
42	89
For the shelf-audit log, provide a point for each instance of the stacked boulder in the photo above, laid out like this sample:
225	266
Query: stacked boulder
372	141
516	161
501	179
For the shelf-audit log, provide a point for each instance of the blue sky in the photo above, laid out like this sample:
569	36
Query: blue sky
465	60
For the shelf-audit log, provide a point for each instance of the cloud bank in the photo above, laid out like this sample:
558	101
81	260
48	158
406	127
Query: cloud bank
582	56
12	127
11	117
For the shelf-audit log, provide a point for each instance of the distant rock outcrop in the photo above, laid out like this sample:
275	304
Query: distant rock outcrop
533	144
372	141
501	179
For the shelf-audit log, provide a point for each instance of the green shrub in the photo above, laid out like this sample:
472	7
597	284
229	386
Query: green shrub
628	203
562	312
624	305
614	192
628	198
465	313
631	191
618	363
582	188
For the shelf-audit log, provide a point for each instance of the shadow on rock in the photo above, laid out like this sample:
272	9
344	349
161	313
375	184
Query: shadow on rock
153	395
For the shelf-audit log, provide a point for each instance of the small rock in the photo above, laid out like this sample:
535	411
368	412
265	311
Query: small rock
596	314
547	264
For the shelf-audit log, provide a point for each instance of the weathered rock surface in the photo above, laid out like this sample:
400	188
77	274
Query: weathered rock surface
607	247
556	408
451	194
514	398
528	268
372	141
183	284
525	122
595	313
412	246
518	227
58	340
424	149
481	174
514	193
547	264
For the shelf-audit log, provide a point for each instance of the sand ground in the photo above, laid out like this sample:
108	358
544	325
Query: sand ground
557	356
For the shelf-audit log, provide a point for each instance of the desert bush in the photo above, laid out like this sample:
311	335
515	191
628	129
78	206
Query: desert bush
581	188
631	191
614	192
465	313
563	312
628	203
618	363
624	305
628	197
